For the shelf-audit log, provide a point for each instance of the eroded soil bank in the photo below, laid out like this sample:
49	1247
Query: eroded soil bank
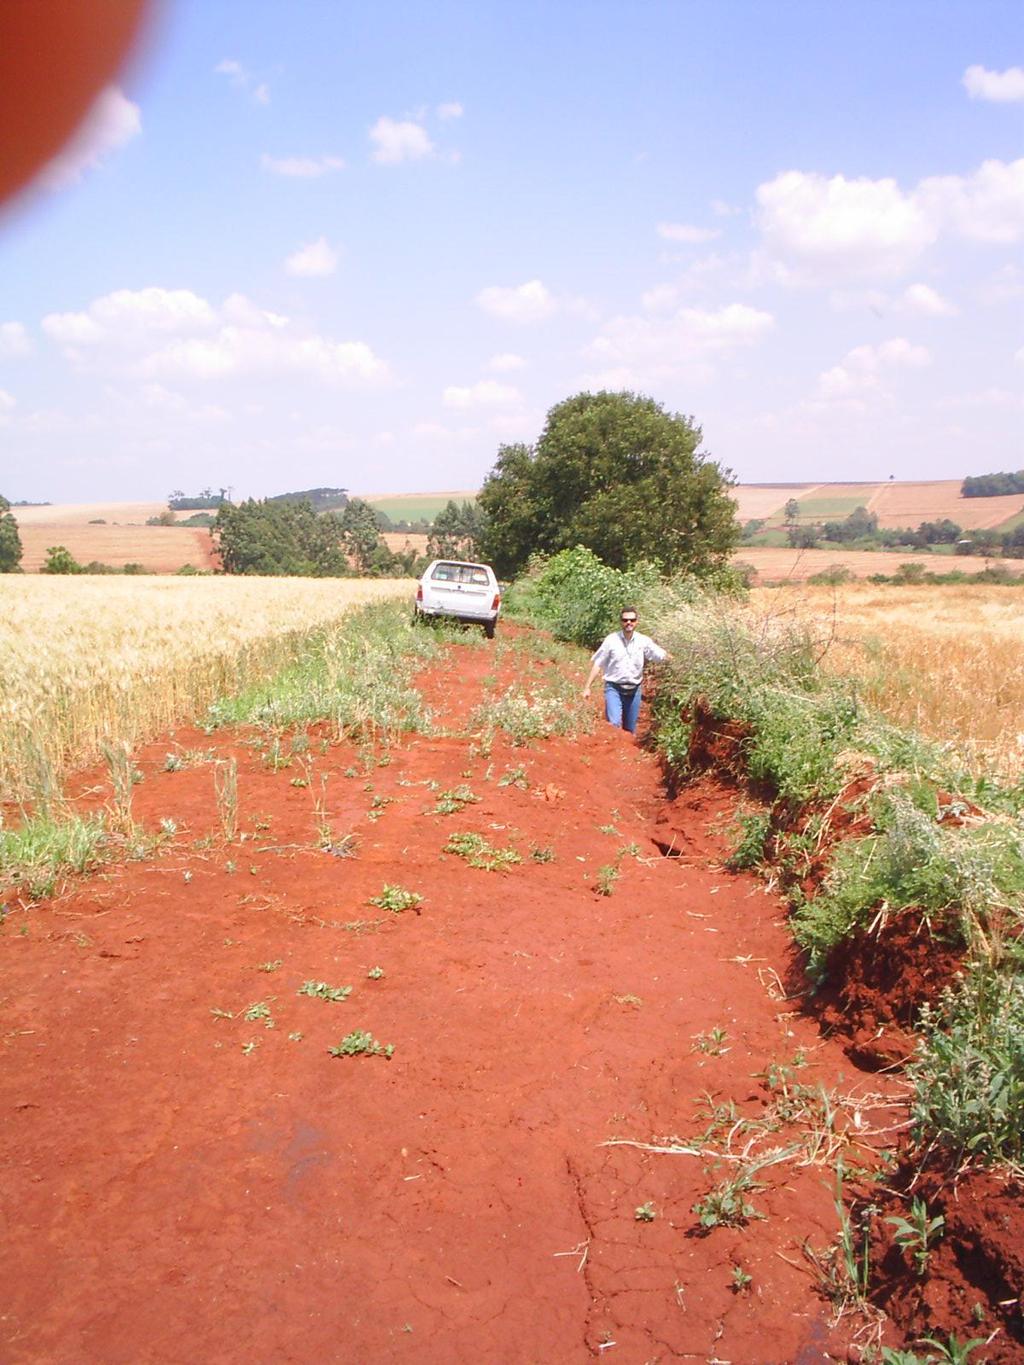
190	1173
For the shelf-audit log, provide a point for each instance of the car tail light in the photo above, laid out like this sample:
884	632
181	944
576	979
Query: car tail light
419	592
497	601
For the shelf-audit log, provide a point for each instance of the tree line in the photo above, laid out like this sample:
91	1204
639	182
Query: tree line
992	485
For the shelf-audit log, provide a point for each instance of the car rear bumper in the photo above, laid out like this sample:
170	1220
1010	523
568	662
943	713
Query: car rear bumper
463	614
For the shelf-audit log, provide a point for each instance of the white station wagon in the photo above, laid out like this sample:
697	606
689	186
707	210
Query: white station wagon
465	592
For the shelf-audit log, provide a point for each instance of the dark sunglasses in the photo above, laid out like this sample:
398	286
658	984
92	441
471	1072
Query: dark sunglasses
628	620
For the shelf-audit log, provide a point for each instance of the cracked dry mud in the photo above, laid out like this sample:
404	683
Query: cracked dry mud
185	1183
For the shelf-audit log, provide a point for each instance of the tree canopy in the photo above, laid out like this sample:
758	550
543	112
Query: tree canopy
456	532
290	539
10	540
618	474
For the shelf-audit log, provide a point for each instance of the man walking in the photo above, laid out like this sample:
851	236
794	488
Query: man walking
621	657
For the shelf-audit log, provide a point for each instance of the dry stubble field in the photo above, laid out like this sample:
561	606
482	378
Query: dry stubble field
88	660
947	661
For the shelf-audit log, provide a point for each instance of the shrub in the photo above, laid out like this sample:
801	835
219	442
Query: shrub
969	1070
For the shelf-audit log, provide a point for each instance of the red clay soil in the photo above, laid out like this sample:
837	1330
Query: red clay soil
182	1181
876	982
975	1267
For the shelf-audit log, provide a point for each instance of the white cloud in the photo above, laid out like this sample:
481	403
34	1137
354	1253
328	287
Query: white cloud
922	298
14	341
505	362
1002	87
314	260
240	351
721	209
862	370
396	141
917	299
838	226
125	315
163	332
453	109
684	232
828	229
112	122
485	393
302	167
987	206
233	70
634	351
530	302
7	405
241	79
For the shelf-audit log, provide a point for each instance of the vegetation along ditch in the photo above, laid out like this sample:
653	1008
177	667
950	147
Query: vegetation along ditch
904	873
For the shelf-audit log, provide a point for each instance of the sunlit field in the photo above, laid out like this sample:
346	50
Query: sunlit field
88	661
948	661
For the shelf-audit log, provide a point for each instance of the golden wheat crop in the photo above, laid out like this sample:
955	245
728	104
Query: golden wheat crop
945	660
88	661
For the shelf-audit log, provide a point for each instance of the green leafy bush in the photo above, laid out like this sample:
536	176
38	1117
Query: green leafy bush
969	1070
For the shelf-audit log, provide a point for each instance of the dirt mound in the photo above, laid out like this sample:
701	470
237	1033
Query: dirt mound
876	982
974	1271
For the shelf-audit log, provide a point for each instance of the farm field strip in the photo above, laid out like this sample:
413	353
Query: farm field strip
159	549
795	566
86	661
945	660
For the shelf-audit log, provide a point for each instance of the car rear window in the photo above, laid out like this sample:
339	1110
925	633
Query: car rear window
461	573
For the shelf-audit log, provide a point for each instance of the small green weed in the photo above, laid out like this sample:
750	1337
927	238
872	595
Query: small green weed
727	1205
321	991
712	1043
375	973
477	852
259	1012
916	1233
607	876
396	899
540	854
451	802
270	966
741	1280
645	1212
361	1044
515	777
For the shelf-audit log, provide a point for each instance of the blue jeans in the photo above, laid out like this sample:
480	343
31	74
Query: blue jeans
621	706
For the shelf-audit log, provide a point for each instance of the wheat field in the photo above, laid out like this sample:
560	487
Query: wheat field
947	661
88	661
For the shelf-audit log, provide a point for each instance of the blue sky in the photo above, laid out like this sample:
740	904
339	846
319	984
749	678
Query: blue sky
362	245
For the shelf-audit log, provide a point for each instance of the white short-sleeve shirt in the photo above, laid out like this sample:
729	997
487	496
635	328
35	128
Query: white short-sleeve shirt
622	661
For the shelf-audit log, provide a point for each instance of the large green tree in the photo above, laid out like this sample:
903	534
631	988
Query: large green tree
279	538
10	540
619	474
455	532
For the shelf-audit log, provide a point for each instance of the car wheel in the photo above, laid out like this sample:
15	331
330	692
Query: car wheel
489	628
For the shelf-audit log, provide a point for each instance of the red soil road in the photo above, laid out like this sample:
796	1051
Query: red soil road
169	1195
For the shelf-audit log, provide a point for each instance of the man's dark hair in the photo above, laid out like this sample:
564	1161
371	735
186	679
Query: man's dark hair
632	611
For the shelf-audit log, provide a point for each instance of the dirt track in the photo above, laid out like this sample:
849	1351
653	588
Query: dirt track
173	1193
